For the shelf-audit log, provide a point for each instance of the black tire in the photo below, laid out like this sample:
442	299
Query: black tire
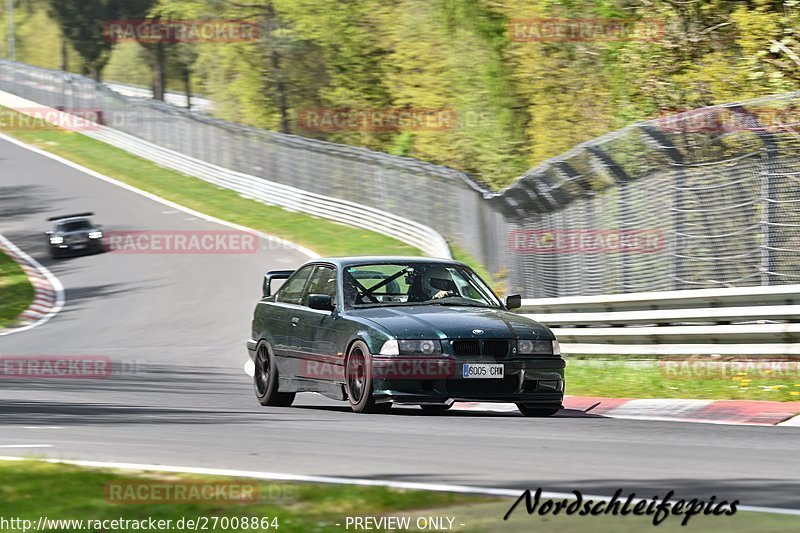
436	409
265	379
358	380
538	411
55	253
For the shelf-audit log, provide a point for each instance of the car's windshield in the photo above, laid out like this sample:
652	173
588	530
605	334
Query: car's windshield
74	225
415	283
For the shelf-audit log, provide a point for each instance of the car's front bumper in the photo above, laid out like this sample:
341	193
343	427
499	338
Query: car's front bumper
533	380
89	246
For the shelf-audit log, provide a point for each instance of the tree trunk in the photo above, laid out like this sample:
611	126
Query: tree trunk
159	74
275	59
187	87
64	56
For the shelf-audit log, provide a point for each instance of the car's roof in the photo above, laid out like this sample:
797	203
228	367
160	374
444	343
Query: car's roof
72	219
383	259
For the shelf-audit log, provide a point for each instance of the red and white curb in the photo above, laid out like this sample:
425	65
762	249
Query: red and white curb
736	412
731	412
48	297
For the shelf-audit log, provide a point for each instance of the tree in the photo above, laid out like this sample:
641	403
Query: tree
82	22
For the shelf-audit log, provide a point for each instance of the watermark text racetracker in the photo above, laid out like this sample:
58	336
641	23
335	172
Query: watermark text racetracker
45	118
181	31
376	120
35	367
186	242
692	368
158	492
555	30
575	241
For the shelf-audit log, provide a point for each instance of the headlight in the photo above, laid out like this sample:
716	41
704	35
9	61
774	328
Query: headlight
556	348
390	348
95	234
56	240
411	347
424	347
528	347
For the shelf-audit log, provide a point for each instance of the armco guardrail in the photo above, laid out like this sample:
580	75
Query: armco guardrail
198	103
700	199
747	320
292	198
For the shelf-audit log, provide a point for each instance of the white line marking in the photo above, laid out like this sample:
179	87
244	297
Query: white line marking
792	422
405	485
302	249
26	445
42	427
54	282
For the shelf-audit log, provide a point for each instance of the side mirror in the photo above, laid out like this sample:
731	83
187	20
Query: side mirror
321	302
266	290
513	301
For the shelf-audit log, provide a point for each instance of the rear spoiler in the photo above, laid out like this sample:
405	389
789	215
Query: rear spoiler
51	219
274	274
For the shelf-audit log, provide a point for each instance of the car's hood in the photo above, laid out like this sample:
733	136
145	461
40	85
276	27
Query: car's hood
76	233
434	321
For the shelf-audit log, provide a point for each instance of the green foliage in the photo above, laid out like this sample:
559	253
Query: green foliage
516	103
16	291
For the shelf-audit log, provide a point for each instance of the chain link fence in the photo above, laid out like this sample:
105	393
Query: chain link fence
699	199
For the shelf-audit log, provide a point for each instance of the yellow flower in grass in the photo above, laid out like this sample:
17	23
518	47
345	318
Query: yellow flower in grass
794	393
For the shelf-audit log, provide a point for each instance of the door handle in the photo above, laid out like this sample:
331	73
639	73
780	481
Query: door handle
295	321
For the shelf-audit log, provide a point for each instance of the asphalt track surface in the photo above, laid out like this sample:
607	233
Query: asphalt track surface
175	326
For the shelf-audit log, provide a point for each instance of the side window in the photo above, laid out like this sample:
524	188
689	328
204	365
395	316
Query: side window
323	281
292	291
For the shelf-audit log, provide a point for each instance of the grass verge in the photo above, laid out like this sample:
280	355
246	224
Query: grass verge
31	490
695	378
16	291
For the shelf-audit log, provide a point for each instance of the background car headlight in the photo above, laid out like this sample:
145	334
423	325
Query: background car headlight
528	347
95	234
56	240
423	347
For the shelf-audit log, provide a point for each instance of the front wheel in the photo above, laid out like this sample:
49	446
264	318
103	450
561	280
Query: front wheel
535	410
265	380
358	376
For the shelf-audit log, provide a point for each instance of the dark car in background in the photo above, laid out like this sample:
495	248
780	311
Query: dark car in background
378	331
74	234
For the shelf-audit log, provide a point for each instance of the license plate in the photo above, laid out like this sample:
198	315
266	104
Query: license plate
79	246
480	371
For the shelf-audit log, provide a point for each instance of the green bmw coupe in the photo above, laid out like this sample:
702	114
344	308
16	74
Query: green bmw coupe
377	331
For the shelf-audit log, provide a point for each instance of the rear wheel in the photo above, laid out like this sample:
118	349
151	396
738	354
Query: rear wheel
359	379
536	410
265	380
435	409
